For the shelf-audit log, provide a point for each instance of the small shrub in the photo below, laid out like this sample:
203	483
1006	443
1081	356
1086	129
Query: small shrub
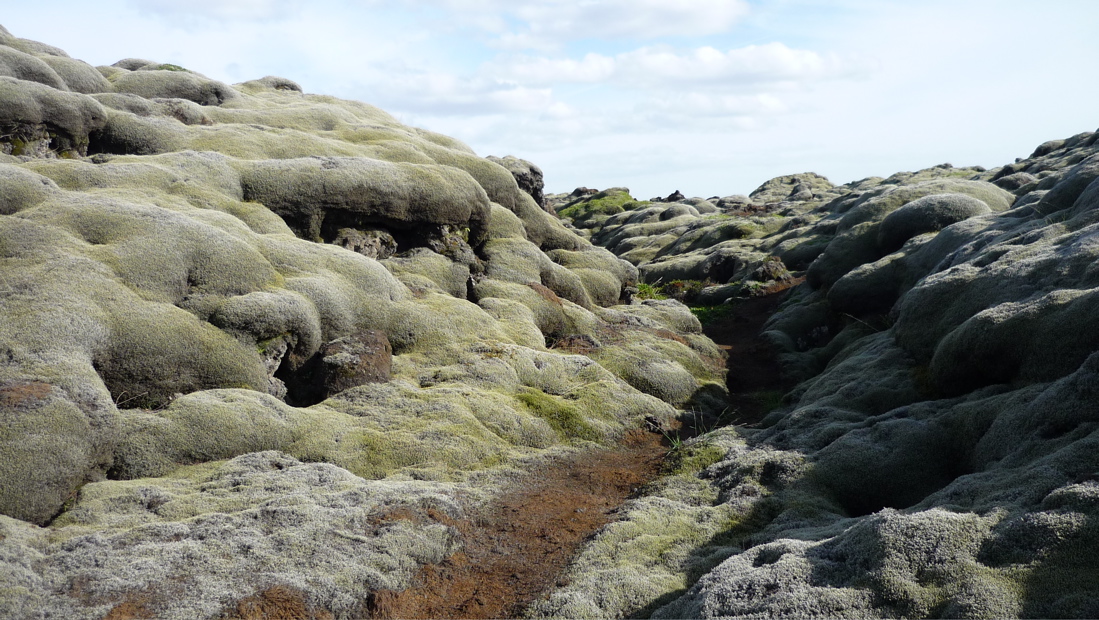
648	291
683	290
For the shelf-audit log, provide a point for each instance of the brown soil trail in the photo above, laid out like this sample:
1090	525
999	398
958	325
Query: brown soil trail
754	375
516	548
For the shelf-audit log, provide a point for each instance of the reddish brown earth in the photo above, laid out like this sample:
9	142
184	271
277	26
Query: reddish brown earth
516	548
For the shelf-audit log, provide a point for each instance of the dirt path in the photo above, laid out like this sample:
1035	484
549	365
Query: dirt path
517	547
754	375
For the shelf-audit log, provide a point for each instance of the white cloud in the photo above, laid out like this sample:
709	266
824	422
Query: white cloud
550	21
545	24
662	67
710	105
849	88
773	62
443	94
241	10
592	68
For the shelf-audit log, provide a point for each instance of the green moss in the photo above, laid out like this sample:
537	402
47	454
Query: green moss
738	527
379	454
176	84
769	400
168	67
711	314
691	459
603	203
561	416
1066	583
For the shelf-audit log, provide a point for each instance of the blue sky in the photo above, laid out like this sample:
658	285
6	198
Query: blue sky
710	97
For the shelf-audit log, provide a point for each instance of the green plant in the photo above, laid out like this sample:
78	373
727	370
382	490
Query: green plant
691	458
675	442
696	457
648	291
683	290
710	314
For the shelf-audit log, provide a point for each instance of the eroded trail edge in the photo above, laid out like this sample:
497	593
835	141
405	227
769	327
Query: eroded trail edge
516	547
755	379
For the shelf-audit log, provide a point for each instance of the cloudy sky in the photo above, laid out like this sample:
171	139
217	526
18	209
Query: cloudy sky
710	97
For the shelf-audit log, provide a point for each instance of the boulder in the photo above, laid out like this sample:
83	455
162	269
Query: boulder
320	196
78	76
789	187
1016	181
527	175
23	66
344	363
42	121
271	82
928	214
374	243
174	83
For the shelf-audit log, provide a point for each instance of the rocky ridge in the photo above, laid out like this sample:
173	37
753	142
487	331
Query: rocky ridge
936	457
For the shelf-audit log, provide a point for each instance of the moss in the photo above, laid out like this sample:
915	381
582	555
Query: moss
172	83
549	315
738	527
78	75
768	400
604	203
692	458
561	416
646	368
424	267
1065	584
128	133
21	189
711	314
27	103
165	67
645	560
24	66
310	192
380	454
46	445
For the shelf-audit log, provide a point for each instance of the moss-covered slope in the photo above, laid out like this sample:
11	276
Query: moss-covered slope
179	259
937	457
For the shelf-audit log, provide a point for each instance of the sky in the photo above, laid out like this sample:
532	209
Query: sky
708	97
